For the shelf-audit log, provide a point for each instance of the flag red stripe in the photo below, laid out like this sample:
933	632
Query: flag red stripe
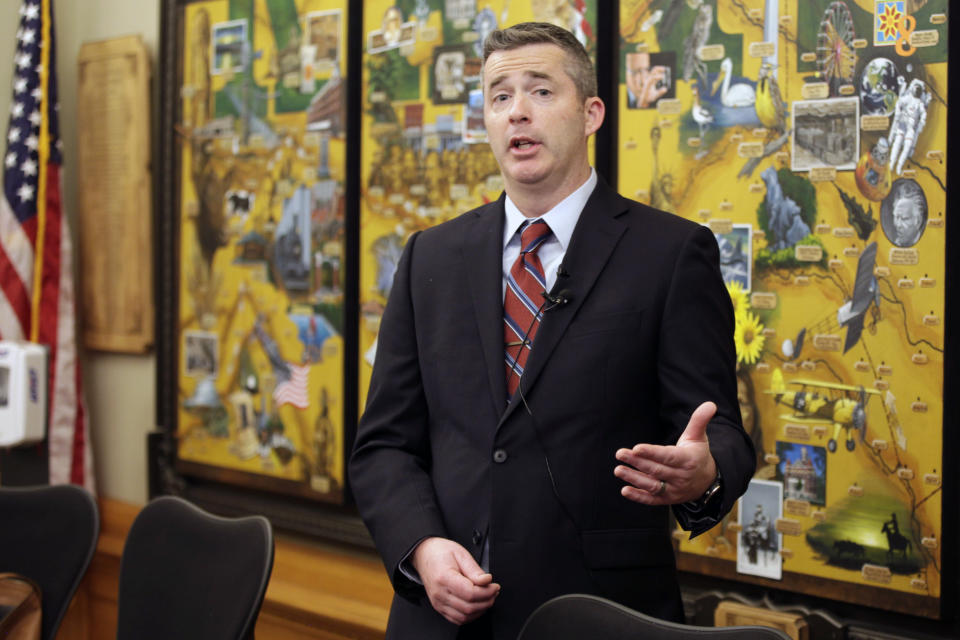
49	311
29	227
78	470
15	291
50	278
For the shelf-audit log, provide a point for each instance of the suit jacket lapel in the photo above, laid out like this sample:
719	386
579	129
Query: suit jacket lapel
483	262
593	240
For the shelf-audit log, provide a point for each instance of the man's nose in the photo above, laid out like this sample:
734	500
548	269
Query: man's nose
519	108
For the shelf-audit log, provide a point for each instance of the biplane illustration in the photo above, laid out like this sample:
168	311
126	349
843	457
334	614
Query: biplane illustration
865	293
818	402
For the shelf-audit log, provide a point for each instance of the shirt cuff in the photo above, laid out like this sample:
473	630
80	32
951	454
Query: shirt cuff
406	565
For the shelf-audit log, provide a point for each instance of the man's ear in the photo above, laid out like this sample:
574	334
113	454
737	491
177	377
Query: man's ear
594	111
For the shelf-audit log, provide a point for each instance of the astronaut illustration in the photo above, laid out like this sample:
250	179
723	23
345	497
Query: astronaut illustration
909	116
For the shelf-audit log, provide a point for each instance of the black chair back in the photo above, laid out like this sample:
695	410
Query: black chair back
49	534
186	573
582	617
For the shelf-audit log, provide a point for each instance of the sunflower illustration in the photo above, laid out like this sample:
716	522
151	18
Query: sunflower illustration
739	298
748	337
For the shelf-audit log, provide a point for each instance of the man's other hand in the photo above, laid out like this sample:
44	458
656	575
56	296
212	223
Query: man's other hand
685	469
458	588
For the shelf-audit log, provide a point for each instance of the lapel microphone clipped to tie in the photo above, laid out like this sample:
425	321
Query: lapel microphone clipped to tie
550	302
558	299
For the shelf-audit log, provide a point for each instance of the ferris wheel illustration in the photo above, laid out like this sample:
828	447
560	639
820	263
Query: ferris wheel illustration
836	57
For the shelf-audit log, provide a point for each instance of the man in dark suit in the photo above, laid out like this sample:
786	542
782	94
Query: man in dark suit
509	454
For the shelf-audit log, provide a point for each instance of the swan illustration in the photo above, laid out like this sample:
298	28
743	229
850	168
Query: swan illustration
738	95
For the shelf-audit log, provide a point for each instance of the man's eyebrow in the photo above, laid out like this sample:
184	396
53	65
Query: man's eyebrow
541	75
497	80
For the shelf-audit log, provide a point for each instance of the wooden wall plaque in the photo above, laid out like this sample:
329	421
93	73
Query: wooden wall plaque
115	213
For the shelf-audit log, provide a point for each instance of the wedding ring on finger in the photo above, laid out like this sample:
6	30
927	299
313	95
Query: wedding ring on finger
661	489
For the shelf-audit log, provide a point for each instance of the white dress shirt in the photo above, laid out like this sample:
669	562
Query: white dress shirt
561	219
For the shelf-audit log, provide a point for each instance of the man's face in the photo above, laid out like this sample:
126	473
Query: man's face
906	219
638	66
536	122
646	83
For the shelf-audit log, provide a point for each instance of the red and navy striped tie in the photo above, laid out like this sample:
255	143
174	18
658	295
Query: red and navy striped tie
522	303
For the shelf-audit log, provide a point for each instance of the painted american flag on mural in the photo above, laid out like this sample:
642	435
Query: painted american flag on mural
36	263
292	387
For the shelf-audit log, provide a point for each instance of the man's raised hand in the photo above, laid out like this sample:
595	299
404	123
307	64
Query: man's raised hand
673	474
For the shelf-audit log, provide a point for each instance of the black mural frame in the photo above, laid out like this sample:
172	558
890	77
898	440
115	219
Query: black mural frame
224	494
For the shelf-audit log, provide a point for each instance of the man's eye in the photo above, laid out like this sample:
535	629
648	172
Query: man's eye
543	92
500	98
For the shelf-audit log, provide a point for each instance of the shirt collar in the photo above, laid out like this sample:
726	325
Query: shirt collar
562	218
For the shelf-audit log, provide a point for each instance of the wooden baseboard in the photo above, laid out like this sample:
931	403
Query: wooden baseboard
316	592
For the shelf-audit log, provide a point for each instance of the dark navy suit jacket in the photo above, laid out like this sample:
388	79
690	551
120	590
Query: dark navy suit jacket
647	335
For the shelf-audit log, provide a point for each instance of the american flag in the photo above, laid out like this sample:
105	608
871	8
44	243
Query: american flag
292	387
36	264
292	379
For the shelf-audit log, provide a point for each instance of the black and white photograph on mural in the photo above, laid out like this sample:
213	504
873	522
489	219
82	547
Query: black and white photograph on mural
758	548
903	213
826	134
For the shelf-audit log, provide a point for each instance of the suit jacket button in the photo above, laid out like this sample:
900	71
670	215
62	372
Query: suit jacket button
499	456
477	537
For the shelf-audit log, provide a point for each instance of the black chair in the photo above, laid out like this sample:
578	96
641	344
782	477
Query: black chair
49	534
186	573
584	617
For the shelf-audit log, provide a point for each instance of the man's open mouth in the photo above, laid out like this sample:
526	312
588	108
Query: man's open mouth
522	143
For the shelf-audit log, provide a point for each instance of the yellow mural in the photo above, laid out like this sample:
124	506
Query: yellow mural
262	243
811	138
810	135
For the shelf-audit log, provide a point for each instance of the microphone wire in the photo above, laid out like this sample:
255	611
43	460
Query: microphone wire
562	298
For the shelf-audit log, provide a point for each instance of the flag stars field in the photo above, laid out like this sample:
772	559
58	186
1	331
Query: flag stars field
25	192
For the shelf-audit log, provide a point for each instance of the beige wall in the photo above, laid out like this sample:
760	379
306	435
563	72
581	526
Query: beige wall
120	389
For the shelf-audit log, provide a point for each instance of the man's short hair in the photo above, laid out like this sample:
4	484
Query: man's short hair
580	70
912	193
